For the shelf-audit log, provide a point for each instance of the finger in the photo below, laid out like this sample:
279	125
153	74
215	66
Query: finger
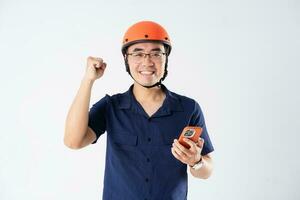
175	154
180	152
200	142
99	59
190	142
96	64
95	59
99	64
103	66
182	148
178	157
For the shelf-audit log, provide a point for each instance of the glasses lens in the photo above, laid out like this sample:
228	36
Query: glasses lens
155	56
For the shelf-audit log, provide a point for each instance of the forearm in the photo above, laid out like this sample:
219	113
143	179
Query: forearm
77	118
205	171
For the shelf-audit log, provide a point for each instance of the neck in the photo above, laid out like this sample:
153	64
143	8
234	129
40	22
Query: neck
143	94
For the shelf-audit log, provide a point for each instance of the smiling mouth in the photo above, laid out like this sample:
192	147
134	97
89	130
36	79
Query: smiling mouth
148	73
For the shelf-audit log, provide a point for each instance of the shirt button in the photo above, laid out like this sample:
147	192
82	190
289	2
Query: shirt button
147	180
149	139
148	160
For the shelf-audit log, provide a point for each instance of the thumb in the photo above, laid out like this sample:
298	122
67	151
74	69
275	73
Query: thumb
104	65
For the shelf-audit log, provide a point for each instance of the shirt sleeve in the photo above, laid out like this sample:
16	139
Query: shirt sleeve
97	117
198	120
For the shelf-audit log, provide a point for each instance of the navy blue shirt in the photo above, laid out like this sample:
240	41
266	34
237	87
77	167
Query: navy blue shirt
139	163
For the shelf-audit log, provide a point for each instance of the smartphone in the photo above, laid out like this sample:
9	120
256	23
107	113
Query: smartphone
191	132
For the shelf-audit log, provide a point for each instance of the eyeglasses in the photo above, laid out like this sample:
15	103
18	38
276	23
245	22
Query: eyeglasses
139	56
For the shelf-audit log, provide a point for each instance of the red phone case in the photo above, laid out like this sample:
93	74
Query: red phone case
191	132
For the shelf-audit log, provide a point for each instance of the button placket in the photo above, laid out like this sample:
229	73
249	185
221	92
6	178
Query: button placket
149	141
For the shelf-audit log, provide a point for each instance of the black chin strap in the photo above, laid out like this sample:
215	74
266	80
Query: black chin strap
150	86
154	85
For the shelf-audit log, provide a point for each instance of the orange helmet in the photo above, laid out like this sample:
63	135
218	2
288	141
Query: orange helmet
145	31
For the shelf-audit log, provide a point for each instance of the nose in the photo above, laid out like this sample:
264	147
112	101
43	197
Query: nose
147	61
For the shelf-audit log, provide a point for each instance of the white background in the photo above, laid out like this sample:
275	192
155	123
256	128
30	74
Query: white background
238	59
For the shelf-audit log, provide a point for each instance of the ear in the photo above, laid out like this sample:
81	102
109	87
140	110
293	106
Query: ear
124	52
167	49
125	56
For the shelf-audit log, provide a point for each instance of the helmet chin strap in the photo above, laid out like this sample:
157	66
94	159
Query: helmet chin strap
154	85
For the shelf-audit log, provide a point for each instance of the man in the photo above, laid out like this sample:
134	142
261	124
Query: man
144	159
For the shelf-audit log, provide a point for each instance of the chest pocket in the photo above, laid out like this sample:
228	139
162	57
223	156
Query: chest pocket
123	140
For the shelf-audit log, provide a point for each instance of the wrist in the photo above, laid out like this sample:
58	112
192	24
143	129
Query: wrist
87	80
199	161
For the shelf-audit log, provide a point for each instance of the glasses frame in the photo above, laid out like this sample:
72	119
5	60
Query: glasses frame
151	57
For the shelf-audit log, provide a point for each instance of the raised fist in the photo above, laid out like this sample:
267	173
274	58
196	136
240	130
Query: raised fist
95	68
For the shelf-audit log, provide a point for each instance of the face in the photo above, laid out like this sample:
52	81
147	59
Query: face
149	69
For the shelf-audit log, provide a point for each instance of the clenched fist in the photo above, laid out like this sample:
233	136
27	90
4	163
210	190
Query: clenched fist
95	68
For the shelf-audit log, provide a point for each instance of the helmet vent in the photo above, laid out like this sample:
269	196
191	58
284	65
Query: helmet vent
166	38
146	36
126	40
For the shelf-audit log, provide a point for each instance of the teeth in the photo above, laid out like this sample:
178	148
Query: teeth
146	72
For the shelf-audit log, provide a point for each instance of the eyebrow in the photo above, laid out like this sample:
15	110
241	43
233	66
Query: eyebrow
139	49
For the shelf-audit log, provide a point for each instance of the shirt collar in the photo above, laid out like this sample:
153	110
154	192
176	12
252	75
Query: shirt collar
171	102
